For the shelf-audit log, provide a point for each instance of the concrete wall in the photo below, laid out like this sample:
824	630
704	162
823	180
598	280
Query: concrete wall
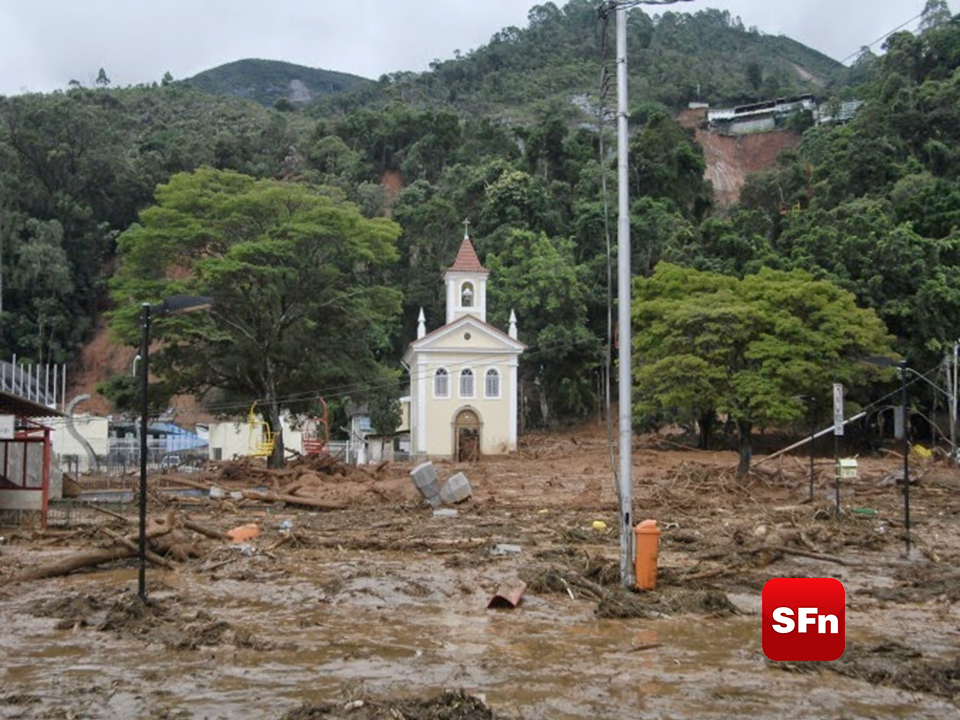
95	429
21	500
24	464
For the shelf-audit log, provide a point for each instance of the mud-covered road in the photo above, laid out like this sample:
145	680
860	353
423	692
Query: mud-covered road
354	612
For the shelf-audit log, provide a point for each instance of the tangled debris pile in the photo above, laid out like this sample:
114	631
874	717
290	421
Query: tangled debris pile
313	481
599	581
451	705
889	663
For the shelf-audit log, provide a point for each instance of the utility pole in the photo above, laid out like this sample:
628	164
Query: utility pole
625	396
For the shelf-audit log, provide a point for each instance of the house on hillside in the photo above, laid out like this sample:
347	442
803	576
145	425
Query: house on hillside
759	117
838	114
463	375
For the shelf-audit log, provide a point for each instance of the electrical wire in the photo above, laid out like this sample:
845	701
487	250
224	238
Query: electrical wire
604	29
881	38
349	389
603	17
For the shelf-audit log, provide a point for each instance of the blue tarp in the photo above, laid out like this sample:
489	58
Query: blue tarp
175	439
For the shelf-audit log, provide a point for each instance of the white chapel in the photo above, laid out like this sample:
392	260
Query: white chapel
463	375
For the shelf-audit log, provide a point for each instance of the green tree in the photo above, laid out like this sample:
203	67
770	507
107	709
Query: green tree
936	14
536	276
293	271
889	267
708	343
385	412
665	163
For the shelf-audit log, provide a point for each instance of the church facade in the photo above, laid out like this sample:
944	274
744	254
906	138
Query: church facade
463	375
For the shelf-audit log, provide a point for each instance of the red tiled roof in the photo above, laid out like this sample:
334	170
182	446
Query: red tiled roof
467	260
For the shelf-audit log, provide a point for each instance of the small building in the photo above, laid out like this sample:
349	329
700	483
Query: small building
25	452
463	375
840	114
235	439
764	116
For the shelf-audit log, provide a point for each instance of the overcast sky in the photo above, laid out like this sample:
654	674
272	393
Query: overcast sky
46	43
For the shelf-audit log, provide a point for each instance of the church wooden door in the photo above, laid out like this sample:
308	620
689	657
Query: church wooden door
466	436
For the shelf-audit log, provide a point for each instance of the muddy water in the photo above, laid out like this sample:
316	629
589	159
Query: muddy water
334	625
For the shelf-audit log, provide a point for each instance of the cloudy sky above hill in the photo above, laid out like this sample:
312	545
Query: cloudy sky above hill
46	43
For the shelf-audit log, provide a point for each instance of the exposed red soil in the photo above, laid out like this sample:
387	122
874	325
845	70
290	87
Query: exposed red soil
100	359
731	158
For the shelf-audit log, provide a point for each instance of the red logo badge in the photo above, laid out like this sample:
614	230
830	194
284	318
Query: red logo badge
803	619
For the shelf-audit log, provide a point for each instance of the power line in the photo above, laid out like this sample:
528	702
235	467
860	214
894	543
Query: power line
881	38
348	389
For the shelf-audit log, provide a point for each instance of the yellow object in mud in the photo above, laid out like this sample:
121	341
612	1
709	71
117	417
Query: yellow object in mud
599	525
921	452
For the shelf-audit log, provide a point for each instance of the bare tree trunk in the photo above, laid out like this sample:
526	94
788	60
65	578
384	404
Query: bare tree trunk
705	423
544	403
273	420
744	430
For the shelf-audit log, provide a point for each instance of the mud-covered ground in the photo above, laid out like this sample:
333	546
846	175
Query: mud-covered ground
378	608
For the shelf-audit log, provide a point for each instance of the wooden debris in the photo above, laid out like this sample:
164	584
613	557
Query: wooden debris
293	500
98	556
135	546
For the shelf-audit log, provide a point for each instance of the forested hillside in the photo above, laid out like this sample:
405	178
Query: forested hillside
674	58
273	83
231	197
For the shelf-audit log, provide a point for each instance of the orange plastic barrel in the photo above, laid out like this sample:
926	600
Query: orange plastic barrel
645	559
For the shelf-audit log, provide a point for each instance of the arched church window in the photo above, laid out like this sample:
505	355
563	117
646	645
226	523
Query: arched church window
466	295
441	383
492	384
466	383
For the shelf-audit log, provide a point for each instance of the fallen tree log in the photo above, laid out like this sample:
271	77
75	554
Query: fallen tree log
781	549
128	543
208	532
293	500
187	482
90	558
98	556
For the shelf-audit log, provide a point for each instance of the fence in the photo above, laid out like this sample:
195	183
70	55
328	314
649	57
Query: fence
123	457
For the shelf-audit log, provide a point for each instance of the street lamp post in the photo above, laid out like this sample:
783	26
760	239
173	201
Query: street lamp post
175	304
144	413
906	456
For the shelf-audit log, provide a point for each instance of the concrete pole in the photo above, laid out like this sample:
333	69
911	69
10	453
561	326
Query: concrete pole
144	415
623	309
952	385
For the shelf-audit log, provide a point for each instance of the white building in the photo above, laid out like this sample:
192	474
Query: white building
463	376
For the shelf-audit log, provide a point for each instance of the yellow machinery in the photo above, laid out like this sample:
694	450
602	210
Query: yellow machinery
261	440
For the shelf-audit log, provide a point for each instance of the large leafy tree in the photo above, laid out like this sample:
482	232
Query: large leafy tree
708	343
293	271
537	277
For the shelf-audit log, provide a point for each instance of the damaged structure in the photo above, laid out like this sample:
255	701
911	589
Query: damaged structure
25	451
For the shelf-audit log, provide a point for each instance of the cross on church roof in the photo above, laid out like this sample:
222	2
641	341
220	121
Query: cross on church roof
466	229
